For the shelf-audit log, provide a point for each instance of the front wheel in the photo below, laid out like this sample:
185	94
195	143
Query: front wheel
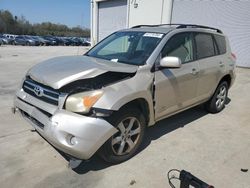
124	144
218	100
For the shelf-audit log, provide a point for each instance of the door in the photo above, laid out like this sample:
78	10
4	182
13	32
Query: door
210	62
175	89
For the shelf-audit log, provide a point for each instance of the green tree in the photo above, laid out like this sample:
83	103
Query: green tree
21	26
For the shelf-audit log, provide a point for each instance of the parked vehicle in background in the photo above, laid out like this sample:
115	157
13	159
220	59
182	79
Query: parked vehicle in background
10	36
1	40
32	41
6	40
71	42
26	40
63	41
51	39
20	40
104	100
77	41
86	43
43	40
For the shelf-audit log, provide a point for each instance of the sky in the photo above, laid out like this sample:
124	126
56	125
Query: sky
69	12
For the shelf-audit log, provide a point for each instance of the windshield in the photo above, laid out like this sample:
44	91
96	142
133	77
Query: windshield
127	47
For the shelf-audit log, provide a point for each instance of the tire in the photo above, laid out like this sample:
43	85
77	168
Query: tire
218	100
124	144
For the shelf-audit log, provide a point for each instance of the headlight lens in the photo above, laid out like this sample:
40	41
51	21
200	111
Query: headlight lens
82	102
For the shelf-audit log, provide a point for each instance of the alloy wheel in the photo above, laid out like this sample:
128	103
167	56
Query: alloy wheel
221	97
127	137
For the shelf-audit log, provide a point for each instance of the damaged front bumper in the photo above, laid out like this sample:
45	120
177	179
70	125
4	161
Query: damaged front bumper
74	134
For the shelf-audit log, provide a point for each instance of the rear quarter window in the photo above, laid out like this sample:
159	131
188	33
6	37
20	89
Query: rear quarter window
221	43
204	45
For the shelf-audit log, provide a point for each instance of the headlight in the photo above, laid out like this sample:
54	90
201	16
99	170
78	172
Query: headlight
82	102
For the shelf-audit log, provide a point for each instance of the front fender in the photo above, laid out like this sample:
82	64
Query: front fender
117	95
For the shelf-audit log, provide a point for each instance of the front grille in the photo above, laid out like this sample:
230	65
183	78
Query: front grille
41	92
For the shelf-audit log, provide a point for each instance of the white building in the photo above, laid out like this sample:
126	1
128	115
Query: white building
231	16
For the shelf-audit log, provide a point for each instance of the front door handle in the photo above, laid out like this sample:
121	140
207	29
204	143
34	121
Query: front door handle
194	71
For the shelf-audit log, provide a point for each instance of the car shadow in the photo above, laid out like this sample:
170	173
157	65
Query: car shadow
172	123
160	129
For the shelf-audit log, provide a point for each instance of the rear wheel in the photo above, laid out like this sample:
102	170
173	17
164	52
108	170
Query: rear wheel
218	100
125	143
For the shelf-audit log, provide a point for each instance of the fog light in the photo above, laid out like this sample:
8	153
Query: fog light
73	140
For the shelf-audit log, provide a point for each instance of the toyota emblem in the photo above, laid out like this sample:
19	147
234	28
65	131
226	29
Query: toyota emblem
38	91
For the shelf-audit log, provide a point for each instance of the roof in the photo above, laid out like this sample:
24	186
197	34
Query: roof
165	28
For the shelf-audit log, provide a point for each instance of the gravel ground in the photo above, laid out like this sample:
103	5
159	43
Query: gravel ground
213	147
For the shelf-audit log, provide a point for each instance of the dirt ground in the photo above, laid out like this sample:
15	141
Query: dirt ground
214	147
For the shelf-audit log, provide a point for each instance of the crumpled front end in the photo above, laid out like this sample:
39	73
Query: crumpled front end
47	86
77	135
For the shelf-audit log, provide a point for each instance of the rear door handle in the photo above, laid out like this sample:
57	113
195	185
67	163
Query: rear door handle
194	71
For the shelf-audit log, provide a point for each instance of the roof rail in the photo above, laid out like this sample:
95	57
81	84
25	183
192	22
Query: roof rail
158	25
198	26
179	26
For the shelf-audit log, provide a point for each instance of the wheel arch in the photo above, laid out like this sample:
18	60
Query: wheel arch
143	102
226	78
142	105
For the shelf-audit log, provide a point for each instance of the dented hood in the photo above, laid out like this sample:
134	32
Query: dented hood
60	71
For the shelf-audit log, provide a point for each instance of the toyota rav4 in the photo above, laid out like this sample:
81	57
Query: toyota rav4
102	102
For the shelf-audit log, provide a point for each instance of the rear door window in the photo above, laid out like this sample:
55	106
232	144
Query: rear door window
204	45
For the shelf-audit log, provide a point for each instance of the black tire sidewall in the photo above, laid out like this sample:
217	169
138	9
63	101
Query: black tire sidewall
211	105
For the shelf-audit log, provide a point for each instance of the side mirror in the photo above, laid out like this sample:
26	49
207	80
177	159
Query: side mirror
170	62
